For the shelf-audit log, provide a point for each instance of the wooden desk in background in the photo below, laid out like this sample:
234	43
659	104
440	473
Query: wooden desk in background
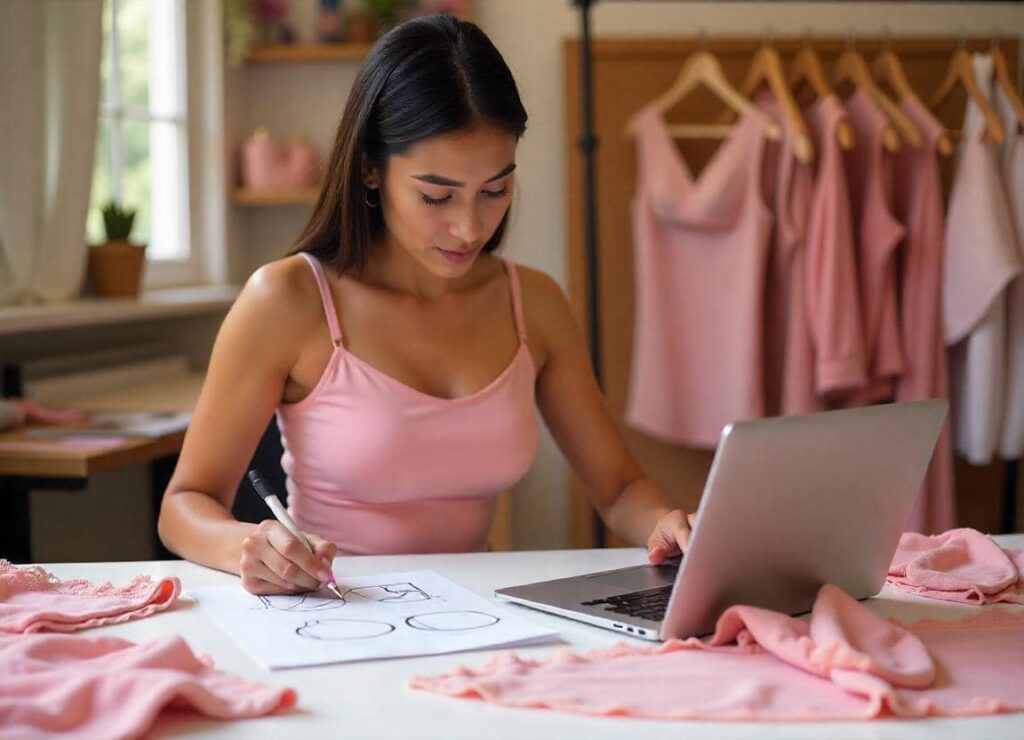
28	463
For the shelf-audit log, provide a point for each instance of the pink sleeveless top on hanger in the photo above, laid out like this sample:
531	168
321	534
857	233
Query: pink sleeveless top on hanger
700	247
878	234
918	205
378	467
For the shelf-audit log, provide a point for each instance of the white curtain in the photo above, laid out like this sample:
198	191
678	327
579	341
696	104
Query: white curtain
49	100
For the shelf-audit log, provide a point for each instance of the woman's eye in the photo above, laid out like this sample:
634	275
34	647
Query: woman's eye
435	201
495	193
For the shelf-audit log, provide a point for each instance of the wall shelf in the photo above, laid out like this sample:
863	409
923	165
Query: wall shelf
306	53
246	197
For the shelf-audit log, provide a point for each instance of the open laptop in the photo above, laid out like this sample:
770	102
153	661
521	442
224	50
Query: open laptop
790	504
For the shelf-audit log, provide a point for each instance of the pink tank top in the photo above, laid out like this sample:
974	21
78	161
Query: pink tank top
378	467
700	246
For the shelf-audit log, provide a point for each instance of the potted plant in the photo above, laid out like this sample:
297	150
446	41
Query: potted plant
363	25
115	267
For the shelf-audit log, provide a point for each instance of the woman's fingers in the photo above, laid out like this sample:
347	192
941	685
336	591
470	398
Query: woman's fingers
671	535
275	548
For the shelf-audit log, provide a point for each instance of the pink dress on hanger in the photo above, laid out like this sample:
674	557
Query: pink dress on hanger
918	204
980	261
878	234
813	338
1011	160
700	247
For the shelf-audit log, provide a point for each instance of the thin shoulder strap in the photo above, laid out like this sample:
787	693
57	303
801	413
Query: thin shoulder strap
325	297
517	299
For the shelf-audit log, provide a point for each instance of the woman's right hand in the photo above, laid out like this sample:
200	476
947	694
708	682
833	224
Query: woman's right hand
274	562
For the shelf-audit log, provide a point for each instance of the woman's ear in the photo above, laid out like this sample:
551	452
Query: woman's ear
368	171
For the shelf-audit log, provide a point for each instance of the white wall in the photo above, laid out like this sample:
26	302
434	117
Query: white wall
529	34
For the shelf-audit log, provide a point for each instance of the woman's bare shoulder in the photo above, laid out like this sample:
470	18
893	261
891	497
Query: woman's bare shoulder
541	292
282	297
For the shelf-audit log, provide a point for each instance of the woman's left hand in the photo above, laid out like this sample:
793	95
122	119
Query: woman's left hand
670	536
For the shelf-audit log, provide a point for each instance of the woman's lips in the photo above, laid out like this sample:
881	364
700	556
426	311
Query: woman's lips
457	257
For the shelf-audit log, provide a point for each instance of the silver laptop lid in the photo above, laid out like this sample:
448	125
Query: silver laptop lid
793	503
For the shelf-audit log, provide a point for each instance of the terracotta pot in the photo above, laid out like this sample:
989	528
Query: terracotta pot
360	29
115	268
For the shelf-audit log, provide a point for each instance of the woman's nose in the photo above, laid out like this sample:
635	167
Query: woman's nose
468	226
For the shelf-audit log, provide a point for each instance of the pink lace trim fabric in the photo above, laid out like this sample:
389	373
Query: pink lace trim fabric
961	565
106	687
845	663
34	600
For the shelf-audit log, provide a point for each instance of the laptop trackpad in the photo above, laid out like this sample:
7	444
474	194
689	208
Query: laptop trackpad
640	578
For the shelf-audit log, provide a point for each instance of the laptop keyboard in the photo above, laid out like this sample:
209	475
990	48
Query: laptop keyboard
649	604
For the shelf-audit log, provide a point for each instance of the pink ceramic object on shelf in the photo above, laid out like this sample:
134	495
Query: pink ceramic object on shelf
271	164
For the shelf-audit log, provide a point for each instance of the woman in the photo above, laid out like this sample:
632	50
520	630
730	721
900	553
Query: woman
403	358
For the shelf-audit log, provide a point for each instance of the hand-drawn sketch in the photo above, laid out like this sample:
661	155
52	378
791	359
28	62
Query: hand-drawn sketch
343	629
390	593
382	615
452	621
297	603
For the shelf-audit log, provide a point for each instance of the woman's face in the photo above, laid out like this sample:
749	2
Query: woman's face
444	197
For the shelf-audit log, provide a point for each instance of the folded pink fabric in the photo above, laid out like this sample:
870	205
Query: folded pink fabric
846	663
961	565
106	687
34	600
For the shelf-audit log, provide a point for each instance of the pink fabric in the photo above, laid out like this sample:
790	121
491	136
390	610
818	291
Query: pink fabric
845	663
813	339
918	205
379	467
831	282
981	260
700	248
961	565
33	600
106	687
878	234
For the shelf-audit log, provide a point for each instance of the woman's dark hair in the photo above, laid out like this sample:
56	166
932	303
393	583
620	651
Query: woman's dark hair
426	77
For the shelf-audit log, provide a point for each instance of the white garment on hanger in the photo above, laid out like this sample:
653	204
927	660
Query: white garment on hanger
1011	161
981	259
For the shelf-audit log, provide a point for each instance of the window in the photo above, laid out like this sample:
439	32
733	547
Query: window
142	138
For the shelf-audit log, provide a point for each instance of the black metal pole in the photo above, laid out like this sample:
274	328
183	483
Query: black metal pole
587	143
1011	481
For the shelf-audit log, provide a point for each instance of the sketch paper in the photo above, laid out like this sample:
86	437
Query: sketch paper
381	616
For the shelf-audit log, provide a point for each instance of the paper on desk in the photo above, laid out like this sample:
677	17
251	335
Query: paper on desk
121	423
381	616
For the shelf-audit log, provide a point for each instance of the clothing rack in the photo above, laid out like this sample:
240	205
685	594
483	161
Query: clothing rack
587	143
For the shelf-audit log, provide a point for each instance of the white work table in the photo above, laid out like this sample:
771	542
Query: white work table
372	699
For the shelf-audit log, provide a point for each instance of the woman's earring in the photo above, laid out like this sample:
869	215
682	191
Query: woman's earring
366	198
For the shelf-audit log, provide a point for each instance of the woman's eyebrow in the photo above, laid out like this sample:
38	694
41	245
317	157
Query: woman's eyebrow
432	179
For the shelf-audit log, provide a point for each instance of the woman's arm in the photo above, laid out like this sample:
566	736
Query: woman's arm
256	347
576	413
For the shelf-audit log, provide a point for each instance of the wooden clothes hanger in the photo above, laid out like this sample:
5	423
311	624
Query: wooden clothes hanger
888	68
703	68
766	69
851	67
806	68
1005	82
961	71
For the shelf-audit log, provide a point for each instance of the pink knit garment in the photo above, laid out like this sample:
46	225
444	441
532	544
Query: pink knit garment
961	565
106	687
846	663
34	600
